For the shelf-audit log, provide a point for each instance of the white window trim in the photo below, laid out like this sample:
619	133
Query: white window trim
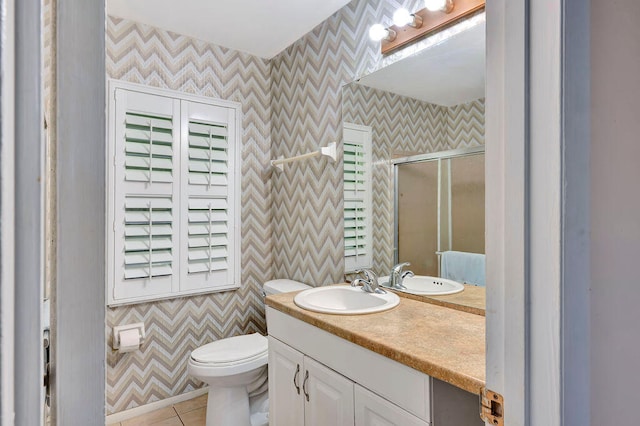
110	176
349	268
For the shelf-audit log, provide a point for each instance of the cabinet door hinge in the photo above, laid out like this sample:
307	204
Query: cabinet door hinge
491	407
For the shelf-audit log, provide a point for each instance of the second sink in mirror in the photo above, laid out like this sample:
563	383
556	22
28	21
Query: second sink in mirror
426	286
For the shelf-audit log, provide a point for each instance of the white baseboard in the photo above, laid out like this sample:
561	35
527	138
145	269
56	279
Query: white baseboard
143	409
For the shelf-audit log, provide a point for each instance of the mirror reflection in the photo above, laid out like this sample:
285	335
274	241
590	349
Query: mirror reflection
414	171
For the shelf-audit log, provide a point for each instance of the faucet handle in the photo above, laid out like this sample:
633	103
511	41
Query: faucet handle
406	274
369	275
398	268
369	283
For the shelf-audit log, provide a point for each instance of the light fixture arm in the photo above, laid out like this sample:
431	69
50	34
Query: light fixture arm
416	21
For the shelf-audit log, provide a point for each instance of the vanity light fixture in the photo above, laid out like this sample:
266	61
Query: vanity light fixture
402	18
410	27
445	6
378	32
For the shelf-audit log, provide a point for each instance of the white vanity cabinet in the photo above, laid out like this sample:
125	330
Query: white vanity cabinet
319	379
304	392
371	410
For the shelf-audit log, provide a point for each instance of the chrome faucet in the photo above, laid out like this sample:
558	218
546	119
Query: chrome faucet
397	276
369	283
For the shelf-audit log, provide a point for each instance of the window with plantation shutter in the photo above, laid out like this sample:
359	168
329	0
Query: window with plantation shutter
173	211
357	197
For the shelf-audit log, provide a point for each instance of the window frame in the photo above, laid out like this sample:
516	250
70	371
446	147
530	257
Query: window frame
234	181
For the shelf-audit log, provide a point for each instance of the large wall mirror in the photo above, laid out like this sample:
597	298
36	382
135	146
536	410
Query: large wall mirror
414	164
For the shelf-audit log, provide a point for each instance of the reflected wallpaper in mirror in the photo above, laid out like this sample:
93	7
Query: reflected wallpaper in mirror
402	126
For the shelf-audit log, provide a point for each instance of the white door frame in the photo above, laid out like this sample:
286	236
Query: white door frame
7	214
537	157
28	180
79	297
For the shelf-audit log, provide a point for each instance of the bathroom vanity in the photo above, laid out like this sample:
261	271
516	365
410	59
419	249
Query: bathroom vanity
416	364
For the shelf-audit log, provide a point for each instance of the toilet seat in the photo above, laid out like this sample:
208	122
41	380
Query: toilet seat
233	355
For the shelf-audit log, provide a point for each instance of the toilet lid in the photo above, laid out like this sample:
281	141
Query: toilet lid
232	349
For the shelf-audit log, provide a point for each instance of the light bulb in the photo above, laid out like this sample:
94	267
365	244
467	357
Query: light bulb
402	17
377	32
439	5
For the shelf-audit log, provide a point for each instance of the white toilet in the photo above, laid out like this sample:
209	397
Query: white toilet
235	369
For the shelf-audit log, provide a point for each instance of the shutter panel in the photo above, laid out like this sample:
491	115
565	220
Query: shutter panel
148	148
208	144
148	237
208	236
357	197
144	205
354	167
355	228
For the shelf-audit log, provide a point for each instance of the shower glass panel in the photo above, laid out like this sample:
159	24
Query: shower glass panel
439	207
418	216
467	203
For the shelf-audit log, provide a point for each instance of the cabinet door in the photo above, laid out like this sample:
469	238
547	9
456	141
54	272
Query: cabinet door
328	396
286	403
372	410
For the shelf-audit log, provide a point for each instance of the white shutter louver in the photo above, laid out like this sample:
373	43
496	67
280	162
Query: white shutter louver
357	197
148	148
355	228
207	154
354	167
148	237
208	235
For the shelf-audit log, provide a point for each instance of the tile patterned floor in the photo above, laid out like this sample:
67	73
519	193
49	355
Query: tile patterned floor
187	413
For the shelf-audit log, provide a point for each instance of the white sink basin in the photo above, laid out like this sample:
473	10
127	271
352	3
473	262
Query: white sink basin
427	286
345	300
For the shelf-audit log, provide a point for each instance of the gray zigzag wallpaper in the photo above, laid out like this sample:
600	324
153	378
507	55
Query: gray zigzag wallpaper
143	54
405	126
307	112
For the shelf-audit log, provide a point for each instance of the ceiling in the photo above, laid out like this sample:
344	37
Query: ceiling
449	73
262	28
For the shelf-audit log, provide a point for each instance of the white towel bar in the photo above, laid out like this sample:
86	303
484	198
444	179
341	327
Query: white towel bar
329	151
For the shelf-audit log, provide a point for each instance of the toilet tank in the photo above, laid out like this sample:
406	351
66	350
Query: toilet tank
282	286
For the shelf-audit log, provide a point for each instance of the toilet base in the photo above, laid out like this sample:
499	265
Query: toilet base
228	407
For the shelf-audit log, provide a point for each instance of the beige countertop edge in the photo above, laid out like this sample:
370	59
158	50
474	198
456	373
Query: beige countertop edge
469	382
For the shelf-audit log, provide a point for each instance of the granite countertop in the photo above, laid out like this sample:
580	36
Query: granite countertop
444	343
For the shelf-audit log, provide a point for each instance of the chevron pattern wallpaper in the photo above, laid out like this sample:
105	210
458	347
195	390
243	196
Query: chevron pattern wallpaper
142	54
405	126
307	112
465	125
